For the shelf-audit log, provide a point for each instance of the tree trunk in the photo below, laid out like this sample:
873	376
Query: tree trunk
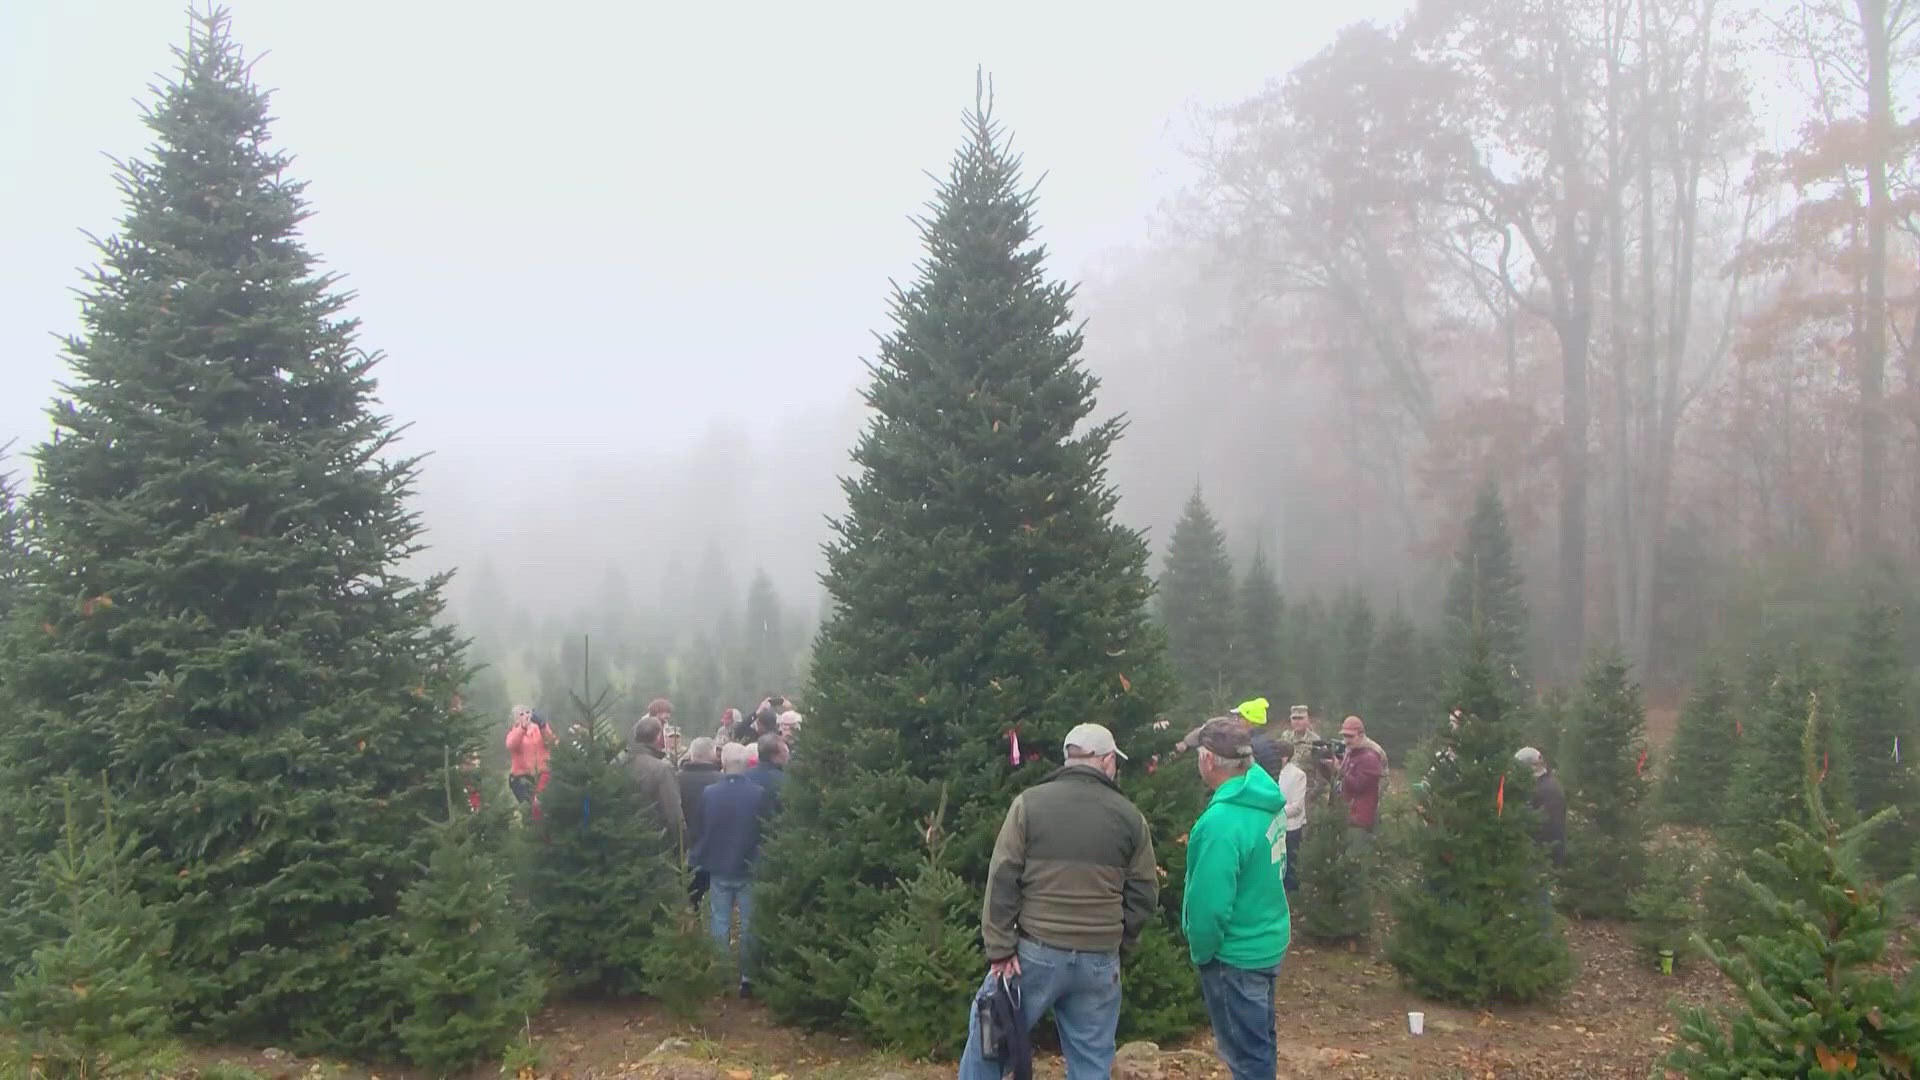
1872	344
1620	335
1575	417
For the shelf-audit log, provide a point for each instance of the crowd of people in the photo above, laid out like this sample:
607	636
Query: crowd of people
709	795
1073	881
1073	878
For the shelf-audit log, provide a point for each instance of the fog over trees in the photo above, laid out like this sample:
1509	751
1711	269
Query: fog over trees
1644	266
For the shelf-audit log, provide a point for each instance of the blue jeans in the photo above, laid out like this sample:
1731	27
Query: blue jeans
1082	989
723	894
1240	1004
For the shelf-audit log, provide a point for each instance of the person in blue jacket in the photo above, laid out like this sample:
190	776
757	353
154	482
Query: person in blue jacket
732	809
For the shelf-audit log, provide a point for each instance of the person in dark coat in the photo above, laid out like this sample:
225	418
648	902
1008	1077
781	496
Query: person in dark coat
731	812
771	772
700	768
1549	802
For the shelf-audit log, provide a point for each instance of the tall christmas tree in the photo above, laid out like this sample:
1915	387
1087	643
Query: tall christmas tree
764	663
1261	651
1473	925
1817	999
1699	761
1197	604
12	558
1606	784
1486	594
1309	641
1399	699
1353	650
1875	717
217	616
982	597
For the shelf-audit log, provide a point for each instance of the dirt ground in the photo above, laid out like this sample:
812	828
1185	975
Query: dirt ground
1342	1014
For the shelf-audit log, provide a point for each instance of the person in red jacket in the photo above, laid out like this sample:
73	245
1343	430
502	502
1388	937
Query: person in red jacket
1362	768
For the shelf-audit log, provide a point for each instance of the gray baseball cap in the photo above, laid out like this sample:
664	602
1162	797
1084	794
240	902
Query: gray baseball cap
1092	739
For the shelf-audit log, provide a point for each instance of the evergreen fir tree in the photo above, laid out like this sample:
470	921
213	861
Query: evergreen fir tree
485	706
1487	594
1434	669
462	969
601	876
1665	907
700	686
1698	768
685	970
1606	784
12	559
1767	786
1197	605
1471	928
1353	649
1163	1004
1875	717
93	1001
1399	701
763	658
216	613
1310	634
1545	727
927	956
1260	651
979	588
1336	894
1817	999
653	674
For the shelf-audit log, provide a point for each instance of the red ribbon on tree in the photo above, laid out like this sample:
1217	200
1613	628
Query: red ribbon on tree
1737	730
1823	766
1013	745
1641	764
1500	798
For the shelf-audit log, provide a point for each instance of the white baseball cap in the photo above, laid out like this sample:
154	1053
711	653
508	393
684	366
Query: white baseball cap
1092	739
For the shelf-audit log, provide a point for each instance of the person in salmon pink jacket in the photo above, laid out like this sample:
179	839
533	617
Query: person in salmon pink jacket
528	750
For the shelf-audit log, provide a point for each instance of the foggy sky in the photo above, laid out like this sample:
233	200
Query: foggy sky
594	238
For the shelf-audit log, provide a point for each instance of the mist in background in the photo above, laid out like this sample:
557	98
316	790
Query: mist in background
625	261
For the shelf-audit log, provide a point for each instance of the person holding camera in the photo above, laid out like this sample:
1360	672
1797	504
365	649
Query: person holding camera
529	749
1363	765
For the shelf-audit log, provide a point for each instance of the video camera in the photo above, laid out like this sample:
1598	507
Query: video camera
1327	749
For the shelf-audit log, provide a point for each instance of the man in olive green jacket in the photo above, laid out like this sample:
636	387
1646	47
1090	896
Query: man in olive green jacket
1071	885
1235	908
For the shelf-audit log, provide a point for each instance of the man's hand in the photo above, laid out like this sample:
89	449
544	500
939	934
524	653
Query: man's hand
1006	969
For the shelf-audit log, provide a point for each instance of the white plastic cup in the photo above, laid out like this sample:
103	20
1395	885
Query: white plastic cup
1416	1022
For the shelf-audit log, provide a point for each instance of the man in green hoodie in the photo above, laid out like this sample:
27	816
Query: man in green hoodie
1235	911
